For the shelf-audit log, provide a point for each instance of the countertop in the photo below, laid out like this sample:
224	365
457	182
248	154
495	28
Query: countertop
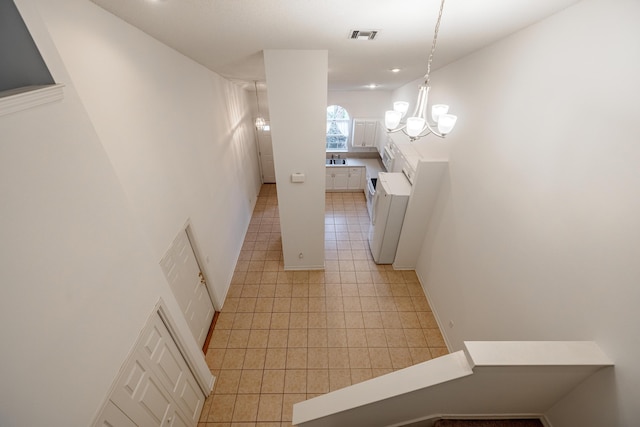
373	166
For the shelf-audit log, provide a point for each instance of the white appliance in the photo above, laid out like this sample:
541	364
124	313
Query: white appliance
370	193
388	157
389	206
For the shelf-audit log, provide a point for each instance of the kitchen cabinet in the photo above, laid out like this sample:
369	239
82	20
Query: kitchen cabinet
382	140
364	133
355	179
337	178
344	178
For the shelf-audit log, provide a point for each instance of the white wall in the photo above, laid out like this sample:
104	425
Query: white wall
179	136
89	205
536	229
77	278
369	104
297	82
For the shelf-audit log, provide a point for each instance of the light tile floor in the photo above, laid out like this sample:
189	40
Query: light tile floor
283	337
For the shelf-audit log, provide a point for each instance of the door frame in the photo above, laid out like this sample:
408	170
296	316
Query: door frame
204	381
257	133
193	241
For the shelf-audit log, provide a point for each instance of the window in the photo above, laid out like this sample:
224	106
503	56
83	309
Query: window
337	128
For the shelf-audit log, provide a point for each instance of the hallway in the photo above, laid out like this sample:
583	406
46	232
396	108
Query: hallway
283	336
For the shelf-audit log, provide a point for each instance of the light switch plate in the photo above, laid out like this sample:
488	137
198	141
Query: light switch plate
297	177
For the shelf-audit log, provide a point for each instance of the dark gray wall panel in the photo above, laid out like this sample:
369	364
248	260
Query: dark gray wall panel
20	61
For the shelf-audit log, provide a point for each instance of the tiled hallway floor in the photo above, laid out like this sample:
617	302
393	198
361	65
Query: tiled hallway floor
283	337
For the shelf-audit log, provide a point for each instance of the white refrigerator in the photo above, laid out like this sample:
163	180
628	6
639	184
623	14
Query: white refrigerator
389	206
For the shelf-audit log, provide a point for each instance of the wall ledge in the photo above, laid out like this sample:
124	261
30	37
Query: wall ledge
24	98
491	378
535	353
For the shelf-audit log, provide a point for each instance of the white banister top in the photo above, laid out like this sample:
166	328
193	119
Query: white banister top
516	377
535	353
436	371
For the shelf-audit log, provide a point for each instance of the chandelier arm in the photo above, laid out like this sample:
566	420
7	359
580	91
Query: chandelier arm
431	130
420	135
398	129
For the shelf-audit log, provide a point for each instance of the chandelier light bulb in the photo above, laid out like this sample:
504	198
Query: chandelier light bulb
437	110
402	107
446	123
392	119
415	125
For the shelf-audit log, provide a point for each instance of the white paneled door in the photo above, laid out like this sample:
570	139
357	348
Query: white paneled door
189	286
155	386
112	416
266	156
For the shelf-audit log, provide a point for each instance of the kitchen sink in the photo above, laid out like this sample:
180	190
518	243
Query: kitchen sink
336	162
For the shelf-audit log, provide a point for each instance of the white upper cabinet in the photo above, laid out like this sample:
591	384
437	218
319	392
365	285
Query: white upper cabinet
364	133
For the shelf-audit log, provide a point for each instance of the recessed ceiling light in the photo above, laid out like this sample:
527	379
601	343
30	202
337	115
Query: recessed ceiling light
372	86
395	70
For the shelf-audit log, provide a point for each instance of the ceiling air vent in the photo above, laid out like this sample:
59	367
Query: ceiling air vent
363	34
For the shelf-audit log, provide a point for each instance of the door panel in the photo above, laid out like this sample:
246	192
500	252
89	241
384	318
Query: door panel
156	386
112	416
187	283
177	420
190	398
154	401
139	396
172	370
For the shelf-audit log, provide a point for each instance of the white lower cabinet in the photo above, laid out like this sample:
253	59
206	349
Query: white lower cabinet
337	178
355	179
344	178
155	387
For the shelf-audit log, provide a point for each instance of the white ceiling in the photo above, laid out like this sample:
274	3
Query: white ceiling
228	36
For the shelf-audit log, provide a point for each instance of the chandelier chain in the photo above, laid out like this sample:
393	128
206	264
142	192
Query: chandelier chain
255	85
433	44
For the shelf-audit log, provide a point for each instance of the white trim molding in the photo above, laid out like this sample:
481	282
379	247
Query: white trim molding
15	100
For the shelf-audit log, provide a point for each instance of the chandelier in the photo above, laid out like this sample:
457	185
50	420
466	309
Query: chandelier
418	124
260	122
